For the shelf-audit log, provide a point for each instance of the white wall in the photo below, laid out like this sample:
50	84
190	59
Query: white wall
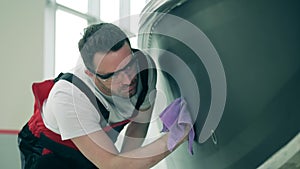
21	60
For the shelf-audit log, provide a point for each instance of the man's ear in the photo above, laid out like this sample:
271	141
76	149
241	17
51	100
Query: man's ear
90	74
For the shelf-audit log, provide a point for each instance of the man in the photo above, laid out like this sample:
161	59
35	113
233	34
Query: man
116	74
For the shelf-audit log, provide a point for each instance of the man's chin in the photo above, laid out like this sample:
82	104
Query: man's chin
126	94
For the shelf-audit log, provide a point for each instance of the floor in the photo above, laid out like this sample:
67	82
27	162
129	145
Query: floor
287	157
9	152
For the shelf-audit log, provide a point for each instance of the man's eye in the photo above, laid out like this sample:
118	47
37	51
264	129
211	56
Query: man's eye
107	76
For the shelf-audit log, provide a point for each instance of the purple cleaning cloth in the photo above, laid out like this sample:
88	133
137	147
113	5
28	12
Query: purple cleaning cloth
174	118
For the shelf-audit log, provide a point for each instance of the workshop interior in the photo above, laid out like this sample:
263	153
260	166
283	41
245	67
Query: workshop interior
236	63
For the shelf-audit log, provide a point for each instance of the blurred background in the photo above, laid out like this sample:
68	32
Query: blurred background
257	42
38	41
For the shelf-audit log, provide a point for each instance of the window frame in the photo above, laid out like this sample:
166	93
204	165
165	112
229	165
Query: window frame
49	32
92	16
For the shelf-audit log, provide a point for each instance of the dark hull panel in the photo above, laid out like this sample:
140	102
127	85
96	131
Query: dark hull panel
246	101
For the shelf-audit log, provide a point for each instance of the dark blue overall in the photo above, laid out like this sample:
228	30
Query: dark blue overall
42	149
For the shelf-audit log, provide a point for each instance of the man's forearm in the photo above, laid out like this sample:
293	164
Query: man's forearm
135	136
147	156
98	148
151	154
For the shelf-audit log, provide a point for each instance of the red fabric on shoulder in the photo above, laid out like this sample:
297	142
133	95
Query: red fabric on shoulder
36	125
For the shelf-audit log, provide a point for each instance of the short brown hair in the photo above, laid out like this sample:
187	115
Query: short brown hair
102	37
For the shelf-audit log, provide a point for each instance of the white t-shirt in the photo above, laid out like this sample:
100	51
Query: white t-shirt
68	111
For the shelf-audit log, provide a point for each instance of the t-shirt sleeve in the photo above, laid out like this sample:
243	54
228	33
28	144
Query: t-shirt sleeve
74	113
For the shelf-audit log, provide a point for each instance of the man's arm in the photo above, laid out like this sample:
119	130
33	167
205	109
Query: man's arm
137	130
99	149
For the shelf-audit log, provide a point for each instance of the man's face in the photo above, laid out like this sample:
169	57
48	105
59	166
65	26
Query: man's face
116	72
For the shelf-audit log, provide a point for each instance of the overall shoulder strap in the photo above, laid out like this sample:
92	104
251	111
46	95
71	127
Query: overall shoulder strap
144	77
103	112
86	90
146	67
95	101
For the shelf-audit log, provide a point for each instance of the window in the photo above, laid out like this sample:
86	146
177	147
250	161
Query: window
109	10
65	21
78	5
67	34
